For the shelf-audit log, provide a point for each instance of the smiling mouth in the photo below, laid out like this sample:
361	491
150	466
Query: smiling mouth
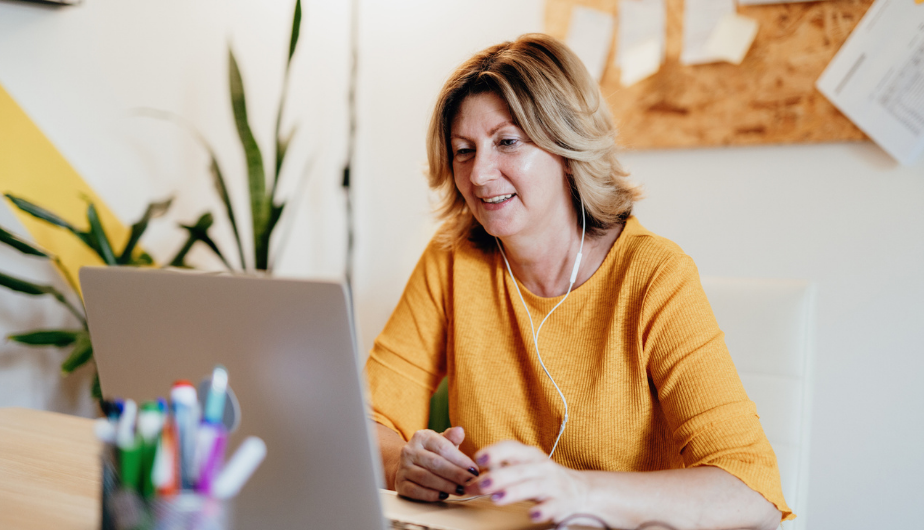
498	199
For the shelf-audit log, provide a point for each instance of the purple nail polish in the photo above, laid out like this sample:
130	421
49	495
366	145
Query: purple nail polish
460	490
486	483
443	495
497	496
534	515
482	460
473	471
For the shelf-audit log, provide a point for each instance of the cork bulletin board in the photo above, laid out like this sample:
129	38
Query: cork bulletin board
769	98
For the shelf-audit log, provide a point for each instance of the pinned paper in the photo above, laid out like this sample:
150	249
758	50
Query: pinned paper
641	61
640	50
590	36
732	38
877	78
700	19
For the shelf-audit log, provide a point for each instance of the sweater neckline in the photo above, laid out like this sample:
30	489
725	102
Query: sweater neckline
630	228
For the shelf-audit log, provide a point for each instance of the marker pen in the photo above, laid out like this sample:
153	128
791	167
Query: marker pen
186	418
129	448
165	472
212	435
239	469
150	423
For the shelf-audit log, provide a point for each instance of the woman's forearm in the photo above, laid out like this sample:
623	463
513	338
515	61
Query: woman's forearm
681	499
390	445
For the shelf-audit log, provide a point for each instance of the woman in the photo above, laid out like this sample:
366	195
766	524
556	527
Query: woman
586	371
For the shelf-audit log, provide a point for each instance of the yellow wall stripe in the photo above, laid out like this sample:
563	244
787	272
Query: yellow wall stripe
32	168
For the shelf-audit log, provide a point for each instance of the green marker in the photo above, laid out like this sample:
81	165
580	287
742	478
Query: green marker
129	447
150	423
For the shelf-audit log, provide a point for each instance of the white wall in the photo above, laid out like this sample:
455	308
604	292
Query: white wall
842	215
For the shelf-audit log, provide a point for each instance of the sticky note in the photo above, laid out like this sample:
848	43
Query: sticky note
590	36
640	61
732	38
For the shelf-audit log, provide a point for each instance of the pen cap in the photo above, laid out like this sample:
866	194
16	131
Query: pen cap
231	415
215	402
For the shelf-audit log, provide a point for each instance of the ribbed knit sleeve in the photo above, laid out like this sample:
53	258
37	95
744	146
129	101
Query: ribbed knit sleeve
408	358
705	405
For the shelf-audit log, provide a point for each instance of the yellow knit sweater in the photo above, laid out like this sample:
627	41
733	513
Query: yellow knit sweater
636	351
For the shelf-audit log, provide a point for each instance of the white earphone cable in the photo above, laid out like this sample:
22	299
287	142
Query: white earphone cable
535	331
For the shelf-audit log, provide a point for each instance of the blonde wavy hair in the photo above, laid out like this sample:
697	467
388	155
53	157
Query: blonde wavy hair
553	98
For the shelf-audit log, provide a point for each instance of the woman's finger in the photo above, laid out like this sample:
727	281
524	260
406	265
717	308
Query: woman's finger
438	465
412	490
426	478
442	446
507	453
504	477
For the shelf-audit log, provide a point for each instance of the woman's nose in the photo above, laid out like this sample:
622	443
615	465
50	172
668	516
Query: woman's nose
484	168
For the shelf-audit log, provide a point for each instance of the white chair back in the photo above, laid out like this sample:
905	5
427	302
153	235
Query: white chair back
768	327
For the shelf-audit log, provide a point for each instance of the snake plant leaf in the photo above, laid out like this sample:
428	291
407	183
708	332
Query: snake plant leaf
263	240
214	168
82	352
100	241
219	183
41	213
256	177
296	27
22	245
48	337
153	211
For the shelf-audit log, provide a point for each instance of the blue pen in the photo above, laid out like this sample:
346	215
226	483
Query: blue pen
186	417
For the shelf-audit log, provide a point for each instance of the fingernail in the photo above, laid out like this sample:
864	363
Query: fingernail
534	515
443	495
460	490
473	471
486	483
497	496
482	460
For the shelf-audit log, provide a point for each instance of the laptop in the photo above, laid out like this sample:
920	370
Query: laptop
290	350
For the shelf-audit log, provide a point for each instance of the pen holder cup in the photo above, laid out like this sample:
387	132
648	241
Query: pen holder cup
124	509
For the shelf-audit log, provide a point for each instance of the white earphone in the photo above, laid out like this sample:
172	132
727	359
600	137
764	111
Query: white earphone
574	273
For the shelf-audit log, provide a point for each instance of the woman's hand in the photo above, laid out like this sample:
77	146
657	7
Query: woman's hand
431	466
517	472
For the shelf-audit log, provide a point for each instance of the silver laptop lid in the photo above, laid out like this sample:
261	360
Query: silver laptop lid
291	357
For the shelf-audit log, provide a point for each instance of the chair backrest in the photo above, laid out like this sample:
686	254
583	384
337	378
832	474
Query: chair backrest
769	327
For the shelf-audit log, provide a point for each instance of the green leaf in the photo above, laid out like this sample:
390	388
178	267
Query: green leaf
24	286
22	245
263	239
82	352
256	177
98	236
153	211
219	182
41	213
95	390
48	337
198	232
35	289
296	27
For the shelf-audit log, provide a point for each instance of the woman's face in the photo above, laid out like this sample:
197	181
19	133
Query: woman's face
512	186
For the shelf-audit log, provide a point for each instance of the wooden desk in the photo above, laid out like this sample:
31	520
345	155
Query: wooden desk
50	478
43	483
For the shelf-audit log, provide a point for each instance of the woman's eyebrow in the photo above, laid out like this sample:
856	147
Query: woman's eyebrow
491	132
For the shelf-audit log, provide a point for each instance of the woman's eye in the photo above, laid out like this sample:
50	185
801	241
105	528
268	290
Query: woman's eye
463	153
508	142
